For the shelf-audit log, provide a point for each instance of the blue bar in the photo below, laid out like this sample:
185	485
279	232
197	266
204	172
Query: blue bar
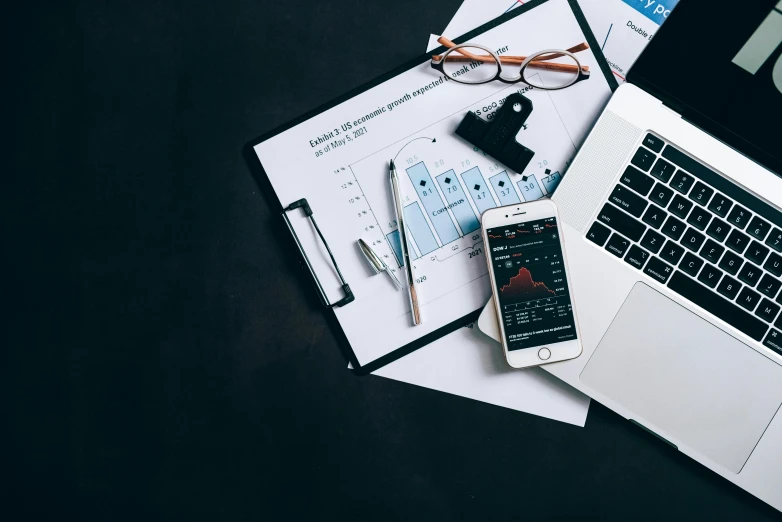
457	201
656	11
551	182
504	189
396	245
419	228
530	189
433	203
479	190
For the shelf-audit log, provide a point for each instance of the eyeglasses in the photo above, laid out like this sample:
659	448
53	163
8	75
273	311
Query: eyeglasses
475	64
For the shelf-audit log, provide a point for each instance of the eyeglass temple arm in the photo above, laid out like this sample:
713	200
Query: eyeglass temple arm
516	60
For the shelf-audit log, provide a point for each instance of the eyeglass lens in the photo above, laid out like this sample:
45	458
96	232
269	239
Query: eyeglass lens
551	70
470	65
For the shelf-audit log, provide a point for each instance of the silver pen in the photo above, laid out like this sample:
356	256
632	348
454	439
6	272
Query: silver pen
399	211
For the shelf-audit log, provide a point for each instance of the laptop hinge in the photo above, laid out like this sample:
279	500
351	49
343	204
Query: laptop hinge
678	115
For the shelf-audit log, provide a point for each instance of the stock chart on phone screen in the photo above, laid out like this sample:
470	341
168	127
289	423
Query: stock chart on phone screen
533	292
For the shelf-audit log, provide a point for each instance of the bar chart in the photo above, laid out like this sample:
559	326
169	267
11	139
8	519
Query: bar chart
446	186
453	210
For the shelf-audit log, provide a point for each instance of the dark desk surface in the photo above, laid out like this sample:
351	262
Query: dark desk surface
166	360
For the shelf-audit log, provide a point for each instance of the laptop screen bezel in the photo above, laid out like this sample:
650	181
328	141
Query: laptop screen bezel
643	73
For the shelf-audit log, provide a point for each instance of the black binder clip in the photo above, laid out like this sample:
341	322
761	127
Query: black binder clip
302	204
498	138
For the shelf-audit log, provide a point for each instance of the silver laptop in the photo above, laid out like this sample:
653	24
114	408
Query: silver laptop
672	218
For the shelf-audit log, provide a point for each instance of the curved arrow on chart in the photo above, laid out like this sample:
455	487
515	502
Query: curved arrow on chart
433	140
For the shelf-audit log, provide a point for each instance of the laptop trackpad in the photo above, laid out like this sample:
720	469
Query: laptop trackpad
687	377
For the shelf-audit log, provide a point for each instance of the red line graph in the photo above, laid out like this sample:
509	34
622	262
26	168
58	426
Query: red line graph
522	284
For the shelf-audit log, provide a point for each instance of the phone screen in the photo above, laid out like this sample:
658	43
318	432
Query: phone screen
531	284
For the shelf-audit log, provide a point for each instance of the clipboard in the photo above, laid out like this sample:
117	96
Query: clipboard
309	208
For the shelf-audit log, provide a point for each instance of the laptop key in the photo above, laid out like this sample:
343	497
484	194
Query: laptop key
637	256
720	205
654	216
710	275
729	287
774	341
643	159
767	311
598	233
774	264
748	299
739	217
701	193
663	170
750	274
628	200
653	142
637	180
731	262
699	218
769	286
717	306
691	265
673	228
756	253
621	222
672	252
680	207
658	270
693	239
774	240
737	241
682	181
712	251
718	229
618	245
661	194
758	228
652	241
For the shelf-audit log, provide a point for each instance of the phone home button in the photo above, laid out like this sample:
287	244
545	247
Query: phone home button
544	353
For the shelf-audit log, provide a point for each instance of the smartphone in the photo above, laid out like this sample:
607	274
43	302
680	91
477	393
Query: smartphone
529	279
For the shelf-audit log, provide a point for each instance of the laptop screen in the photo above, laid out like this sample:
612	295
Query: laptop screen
719	64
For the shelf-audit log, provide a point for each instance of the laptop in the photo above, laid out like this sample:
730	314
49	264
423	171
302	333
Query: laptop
672	218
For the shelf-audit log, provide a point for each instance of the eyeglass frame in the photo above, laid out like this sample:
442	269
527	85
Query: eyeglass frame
437	64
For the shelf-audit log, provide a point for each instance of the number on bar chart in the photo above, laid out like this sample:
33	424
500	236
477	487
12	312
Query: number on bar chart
530	189
479	189
504	189
433	203
457	200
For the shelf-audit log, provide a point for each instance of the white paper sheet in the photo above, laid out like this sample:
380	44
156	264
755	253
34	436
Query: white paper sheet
469	364
621	27
338	160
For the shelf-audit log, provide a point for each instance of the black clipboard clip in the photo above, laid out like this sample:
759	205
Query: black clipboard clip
302	204
497	138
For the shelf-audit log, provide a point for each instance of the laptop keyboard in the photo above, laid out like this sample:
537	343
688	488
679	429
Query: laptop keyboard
705	238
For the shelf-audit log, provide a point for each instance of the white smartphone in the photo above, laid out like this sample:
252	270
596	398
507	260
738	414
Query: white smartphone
529	279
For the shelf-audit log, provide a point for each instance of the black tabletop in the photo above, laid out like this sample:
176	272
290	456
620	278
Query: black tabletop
164	358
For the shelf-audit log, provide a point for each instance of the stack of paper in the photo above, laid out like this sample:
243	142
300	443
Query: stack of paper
466	362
